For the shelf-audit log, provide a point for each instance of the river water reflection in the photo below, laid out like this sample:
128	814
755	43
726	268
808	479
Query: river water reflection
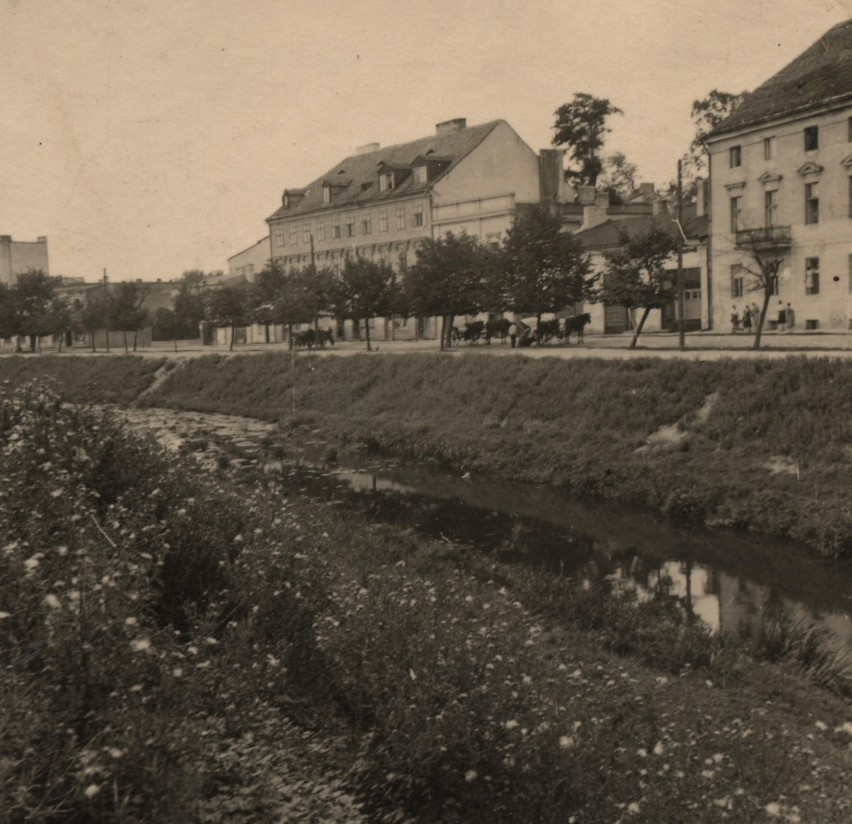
731	581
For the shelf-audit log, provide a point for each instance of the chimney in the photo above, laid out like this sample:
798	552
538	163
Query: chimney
586	195
367	148
701	192
594	213
647	192
455	125
549	174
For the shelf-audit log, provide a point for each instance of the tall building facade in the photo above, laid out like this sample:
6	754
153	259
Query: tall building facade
17	257
781	186
381	204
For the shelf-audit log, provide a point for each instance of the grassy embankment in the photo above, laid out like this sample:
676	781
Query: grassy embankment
179	647
772	451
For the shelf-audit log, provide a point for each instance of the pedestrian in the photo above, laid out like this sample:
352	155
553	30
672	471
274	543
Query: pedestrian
747	320
789	319
513	334
755	316
782	315
735	320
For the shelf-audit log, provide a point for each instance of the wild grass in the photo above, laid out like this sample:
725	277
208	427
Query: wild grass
163	631
83	379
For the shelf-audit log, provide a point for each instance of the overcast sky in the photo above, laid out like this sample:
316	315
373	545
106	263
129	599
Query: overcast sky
154	137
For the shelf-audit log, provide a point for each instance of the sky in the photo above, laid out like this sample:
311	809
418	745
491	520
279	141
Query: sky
149	138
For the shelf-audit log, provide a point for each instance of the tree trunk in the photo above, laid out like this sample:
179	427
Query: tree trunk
367	330
124	338
175	343
290	337
442	336
450	320
537	327
767	296
233	337
639	327
32	343
135	338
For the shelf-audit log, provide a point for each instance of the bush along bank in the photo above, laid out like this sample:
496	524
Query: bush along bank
761	445
186	647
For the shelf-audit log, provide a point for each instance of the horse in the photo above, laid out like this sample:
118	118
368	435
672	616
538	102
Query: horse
325	336
497	328
473	331
576	324
307	338
547	330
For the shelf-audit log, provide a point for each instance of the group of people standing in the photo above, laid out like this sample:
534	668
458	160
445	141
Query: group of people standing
751	318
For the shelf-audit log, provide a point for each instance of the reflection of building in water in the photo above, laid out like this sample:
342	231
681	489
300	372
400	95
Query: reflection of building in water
743	606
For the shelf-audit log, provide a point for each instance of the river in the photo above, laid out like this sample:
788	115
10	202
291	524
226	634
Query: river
730	580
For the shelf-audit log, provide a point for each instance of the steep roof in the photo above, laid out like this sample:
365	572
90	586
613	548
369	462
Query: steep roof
361	170
821	74
606	235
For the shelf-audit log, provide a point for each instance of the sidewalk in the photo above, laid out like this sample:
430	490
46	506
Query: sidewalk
699	346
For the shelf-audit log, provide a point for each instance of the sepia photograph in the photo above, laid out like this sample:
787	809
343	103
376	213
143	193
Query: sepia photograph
426	413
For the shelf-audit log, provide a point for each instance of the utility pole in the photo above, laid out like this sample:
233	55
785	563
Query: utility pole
680	303
106	308
314	282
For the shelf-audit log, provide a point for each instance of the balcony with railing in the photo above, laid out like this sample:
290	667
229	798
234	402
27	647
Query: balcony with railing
764	237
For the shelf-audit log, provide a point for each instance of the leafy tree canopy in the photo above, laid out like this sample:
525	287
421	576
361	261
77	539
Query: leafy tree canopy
581	126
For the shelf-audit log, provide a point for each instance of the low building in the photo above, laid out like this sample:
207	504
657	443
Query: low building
250	262
600	232
781	183
19	256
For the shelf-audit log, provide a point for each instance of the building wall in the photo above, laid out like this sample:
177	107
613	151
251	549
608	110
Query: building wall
17	257
479	195
786	173
251	261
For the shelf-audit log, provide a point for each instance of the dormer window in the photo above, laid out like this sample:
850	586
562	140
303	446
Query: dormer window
326	194
420	174
386	181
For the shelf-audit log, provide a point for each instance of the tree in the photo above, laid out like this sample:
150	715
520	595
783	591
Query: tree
707	114
8	312
34	295
581	126
228	307
363	290
544	268
618	177
95	314
448	279
634	276
188	307
126	312
766	249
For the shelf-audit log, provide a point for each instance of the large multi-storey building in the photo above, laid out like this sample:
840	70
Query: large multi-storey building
781	185
19	256
382	203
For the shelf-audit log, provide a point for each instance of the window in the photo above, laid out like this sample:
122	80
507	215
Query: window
735	214
811	203
418	215
383	221
292	235
770	207
335	230
306	233
811	138
350	227
386	181
320	231
279	237
419	174
403	263
812	276
326	194
768	148
736	281
736	156
367	226
400	217
811	325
